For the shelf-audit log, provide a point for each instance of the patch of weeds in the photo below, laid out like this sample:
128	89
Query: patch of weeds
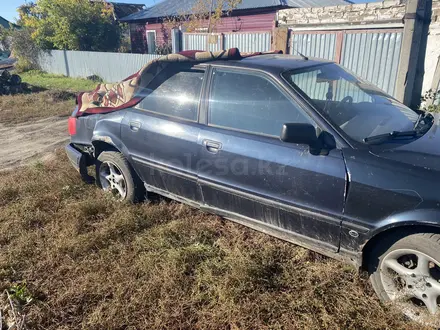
8	195
20	293
38	165
93	211
60	95
95	78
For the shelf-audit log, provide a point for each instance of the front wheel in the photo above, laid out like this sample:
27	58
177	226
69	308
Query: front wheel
115	175
407	273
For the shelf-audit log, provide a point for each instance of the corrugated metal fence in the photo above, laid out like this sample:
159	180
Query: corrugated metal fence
246	41
249	42
322	45
111	67
373	54
202	41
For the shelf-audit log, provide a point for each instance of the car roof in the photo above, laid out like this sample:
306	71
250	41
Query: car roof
274	63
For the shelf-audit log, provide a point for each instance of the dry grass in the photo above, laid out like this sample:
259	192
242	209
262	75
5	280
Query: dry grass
16	109
91	263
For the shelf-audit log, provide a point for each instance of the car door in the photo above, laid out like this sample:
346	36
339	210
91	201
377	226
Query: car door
246	171
161	133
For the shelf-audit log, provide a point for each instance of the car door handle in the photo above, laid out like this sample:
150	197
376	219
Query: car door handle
212	146
135	126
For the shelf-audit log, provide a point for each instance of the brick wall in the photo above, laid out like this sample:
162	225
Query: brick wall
375	12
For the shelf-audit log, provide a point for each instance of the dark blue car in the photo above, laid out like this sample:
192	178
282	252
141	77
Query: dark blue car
297	148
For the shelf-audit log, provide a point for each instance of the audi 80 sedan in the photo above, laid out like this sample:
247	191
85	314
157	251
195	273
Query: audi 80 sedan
297	148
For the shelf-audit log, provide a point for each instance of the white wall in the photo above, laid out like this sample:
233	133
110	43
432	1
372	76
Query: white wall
432	55
433	49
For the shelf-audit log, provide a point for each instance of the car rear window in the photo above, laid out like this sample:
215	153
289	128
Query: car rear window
175	94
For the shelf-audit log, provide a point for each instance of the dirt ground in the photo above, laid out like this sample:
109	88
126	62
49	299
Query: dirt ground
33	125
24	143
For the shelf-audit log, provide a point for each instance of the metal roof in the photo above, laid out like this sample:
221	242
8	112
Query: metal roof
169	8
124	9
5	23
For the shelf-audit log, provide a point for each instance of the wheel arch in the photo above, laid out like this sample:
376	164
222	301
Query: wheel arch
393	233
103	143
108	142
101	146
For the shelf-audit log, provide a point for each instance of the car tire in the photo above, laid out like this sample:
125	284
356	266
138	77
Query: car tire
115	174
405	270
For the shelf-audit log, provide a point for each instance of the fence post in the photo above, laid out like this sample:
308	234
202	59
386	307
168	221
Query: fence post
340	35
410	75
280	39
222	41
176	40
420	74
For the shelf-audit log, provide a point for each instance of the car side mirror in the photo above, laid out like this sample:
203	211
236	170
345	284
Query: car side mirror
300	134
306	134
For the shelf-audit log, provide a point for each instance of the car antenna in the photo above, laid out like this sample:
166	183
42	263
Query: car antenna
305	58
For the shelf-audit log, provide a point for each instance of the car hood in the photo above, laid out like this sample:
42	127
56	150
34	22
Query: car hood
423	152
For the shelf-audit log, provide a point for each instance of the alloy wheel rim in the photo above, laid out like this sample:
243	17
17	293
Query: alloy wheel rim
411	279
112	180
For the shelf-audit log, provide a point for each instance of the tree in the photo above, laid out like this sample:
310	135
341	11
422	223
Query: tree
71	24
24	49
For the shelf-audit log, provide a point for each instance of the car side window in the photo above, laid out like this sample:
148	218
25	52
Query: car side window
251	103
175	94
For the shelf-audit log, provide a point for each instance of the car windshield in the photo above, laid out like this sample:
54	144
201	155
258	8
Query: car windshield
358	108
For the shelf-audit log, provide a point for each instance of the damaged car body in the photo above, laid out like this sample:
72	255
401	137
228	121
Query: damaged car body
297	148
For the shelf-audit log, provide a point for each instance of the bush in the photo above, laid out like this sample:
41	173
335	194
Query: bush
125	46
25	50
164	49
431	101
5	40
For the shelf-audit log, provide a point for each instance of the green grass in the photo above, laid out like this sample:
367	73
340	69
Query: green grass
53	81
52	95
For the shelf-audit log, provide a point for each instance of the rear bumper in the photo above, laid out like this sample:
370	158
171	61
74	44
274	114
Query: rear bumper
77	158
80	160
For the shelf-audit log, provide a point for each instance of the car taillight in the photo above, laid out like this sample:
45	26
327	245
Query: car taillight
72	126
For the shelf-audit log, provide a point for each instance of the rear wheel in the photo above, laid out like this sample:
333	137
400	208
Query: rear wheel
115	175
407	273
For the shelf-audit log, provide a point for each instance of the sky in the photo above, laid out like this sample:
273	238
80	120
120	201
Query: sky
8	7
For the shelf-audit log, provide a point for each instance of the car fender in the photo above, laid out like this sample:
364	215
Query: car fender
108	131
419	217
357	238
421	220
